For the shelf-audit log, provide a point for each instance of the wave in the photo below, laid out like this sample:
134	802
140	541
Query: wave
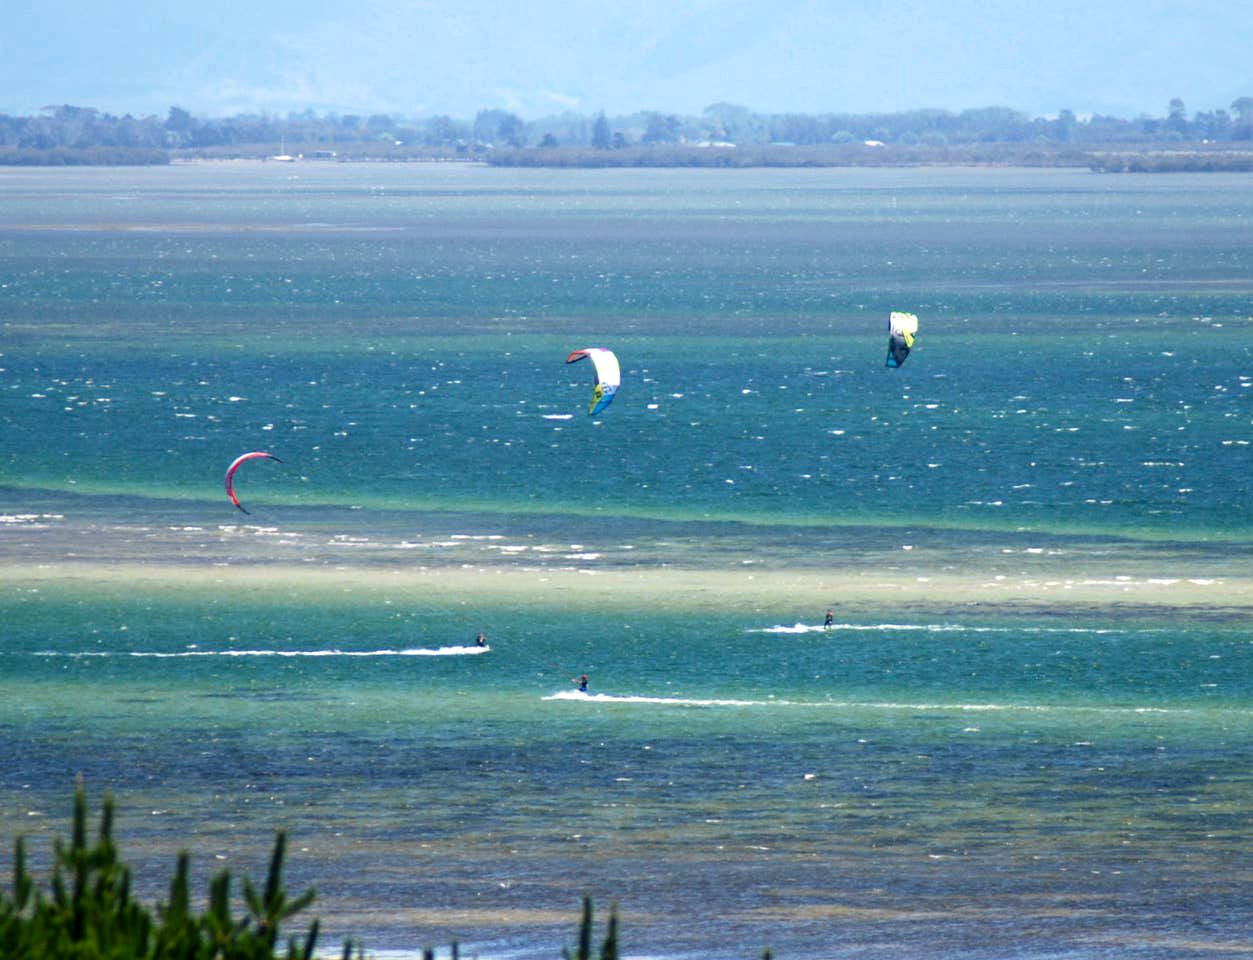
800	628
673	701
887	705
460	651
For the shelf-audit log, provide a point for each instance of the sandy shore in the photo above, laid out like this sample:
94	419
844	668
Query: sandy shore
776	591
446	561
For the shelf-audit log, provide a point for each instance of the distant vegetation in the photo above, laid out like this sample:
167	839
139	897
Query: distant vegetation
1173	161
722	135
794	155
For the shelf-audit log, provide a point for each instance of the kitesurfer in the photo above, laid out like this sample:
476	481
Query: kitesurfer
481	639
582	682
829	620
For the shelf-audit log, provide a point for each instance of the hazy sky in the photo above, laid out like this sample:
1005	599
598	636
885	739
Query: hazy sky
538	57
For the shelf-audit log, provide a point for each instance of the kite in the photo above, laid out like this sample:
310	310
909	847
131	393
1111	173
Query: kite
902	329
230	472
608	376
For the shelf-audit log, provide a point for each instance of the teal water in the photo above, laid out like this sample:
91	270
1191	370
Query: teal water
941	775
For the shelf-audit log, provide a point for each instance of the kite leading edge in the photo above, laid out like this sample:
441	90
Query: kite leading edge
230	472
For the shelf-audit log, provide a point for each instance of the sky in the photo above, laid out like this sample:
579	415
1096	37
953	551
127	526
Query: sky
536	58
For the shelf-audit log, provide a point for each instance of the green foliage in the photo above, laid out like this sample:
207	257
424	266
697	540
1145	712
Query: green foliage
1179	161
602	135
89	914
841	154
608	948
499	126
63	135
83	157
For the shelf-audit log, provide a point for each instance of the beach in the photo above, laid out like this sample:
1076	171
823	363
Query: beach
515	585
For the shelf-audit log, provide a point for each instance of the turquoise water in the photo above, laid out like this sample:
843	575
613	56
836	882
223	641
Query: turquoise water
950	772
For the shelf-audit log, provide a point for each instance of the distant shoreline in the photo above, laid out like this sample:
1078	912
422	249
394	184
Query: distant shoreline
1200	158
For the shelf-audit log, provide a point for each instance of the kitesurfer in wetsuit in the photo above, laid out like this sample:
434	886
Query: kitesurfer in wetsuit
829	621
480	640
582	682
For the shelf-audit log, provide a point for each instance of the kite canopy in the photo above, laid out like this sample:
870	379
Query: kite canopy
608	376
902	329
230	472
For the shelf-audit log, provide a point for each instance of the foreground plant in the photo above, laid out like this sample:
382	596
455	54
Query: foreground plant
89	913
608	949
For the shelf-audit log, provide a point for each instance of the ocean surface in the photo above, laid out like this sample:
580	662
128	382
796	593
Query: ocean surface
1028	733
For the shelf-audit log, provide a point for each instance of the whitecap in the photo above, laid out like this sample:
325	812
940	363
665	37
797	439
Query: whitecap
893	706
447	651
30	517
670	701
836	628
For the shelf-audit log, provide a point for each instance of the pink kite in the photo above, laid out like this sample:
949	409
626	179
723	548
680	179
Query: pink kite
230	473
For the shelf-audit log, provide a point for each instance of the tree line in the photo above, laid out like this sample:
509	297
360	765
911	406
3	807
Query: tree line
73	134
